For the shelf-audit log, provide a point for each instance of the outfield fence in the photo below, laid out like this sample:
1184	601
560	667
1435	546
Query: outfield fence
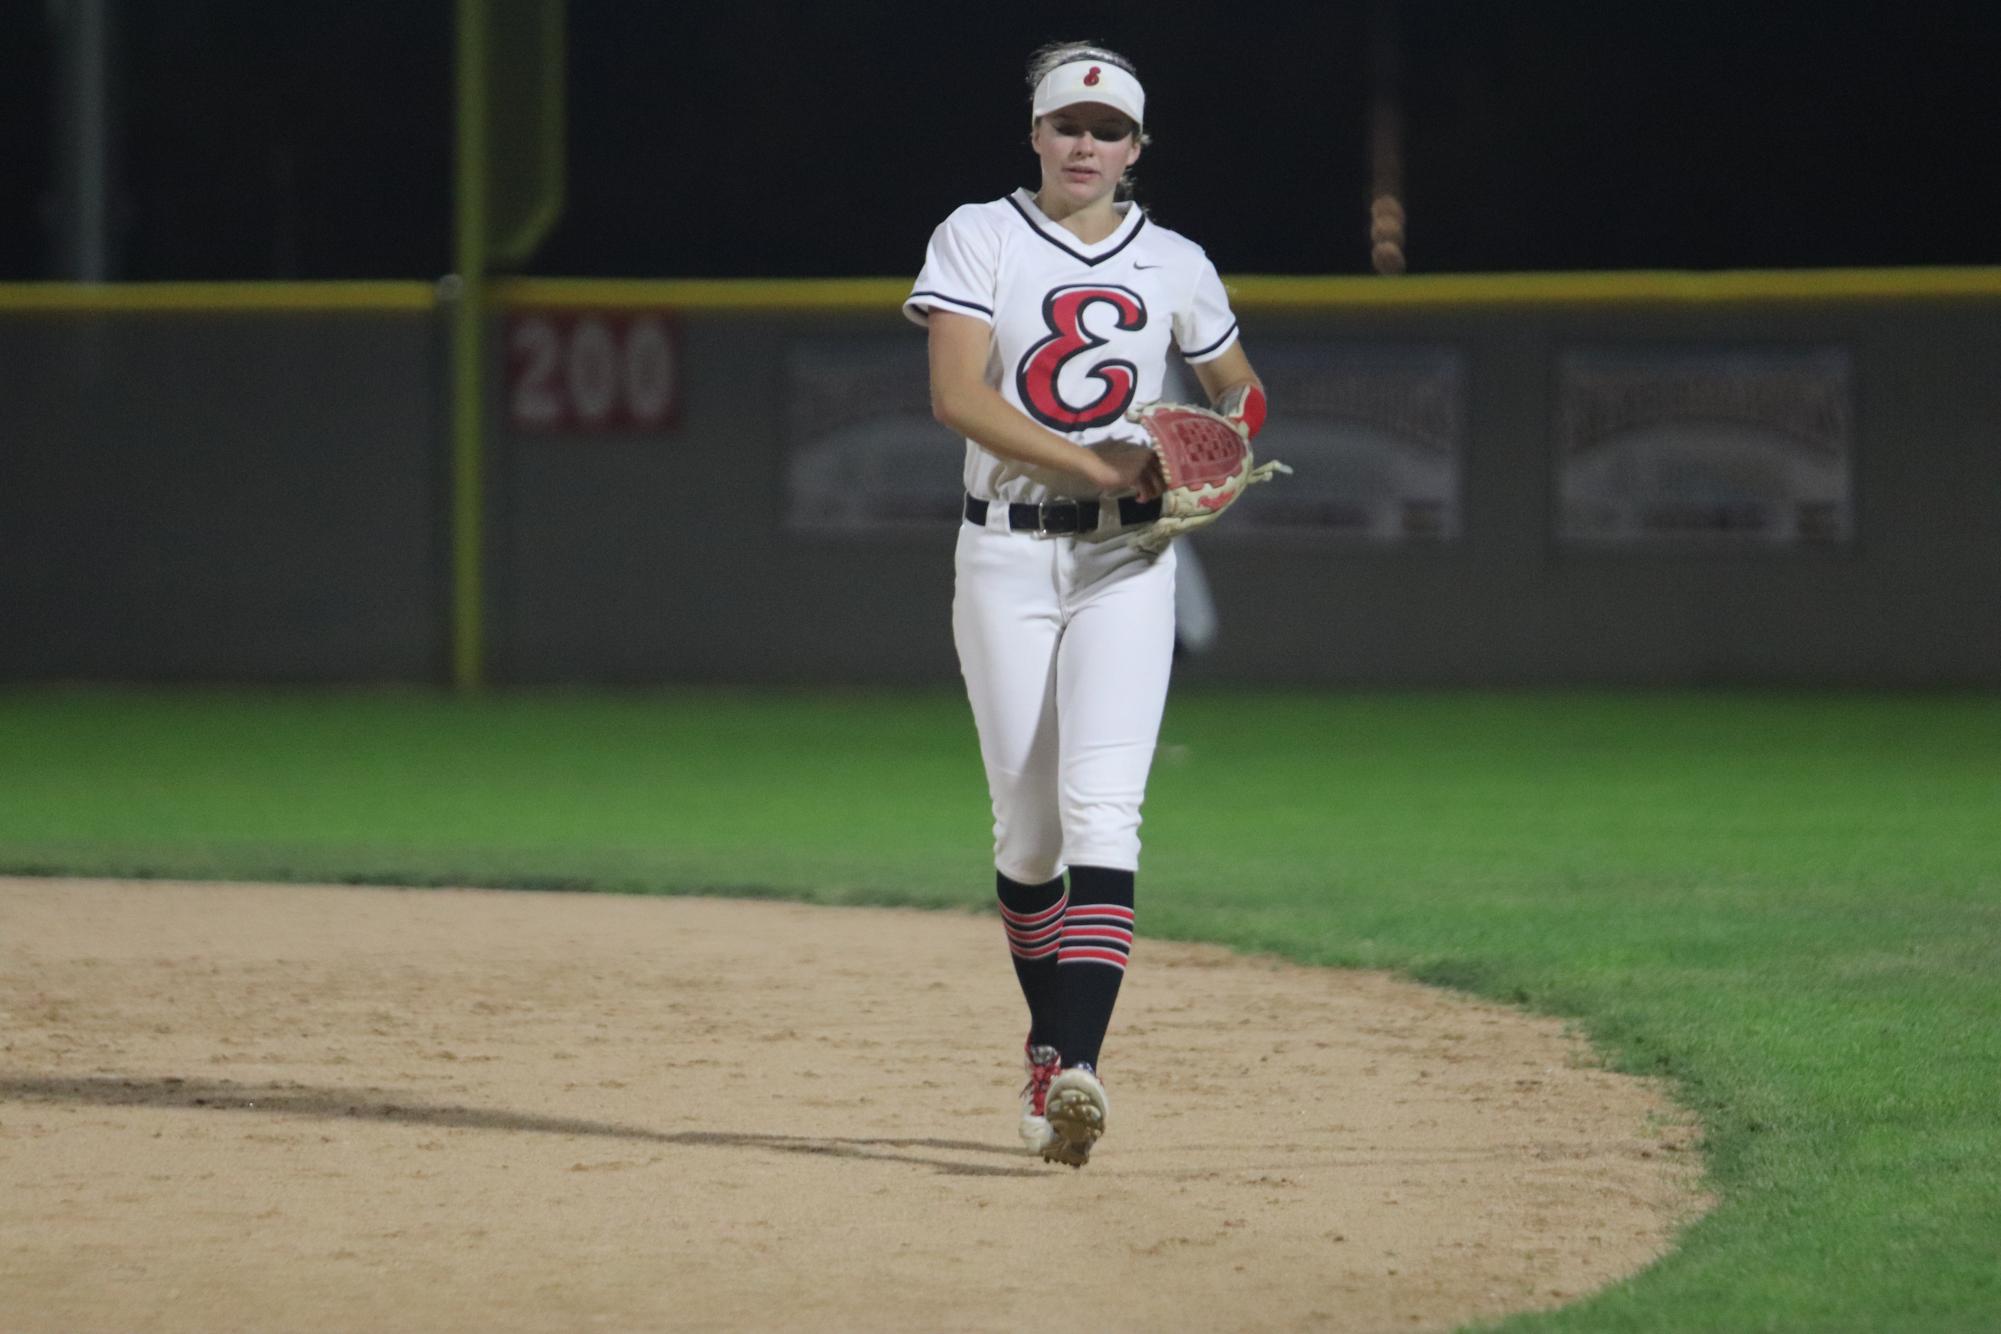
1785	478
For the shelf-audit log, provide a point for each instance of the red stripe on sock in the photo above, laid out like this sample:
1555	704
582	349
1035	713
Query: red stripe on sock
1034	919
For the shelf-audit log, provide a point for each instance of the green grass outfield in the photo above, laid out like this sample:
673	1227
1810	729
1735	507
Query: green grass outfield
1790	904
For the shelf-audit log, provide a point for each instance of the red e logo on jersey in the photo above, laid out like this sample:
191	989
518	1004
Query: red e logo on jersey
1037	379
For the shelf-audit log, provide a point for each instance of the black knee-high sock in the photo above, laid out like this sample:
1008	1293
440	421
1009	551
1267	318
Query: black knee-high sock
1097	941
1033	916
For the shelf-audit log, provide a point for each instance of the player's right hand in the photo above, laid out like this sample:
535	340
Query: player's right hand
1125	466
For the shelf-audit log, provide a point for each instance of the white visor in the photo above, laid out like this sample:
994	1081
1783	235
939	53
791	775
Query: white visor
1088	80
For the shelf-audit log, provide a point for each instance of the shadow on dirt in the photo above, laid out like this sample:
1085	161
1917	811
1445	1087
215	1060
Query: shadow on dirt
375	1104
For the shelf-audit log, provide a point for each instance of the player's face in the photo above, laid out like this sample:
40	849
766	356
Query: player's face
1084	150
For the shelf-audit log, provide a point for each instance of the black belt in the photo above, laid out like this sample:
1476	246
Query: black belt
1063	516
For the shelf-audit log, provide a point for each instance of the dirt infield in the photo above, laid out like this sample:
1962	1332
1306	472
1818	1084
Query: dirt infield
232	1107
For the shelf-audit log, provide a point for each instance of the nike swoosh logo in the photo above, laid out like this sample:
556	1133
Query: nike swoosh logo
1146	266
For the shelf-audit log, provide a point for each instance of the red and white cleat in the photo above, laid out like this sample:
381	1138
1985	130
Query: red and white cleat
1042	1065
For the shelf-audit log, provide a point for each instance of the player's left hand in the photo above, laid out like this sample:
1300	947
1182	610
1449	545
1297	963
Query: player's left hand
1205	461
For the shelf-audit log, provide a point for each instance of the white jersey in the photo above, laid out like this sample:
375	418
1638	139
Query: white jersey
1080	332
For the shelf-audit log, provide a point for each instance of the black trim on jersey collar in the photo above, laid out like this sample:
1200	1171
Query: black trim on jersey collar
1190	356
1033	227
911	300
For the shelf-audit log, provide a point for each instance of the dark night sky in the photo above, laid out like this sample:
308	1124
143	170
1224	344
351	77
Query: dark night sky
270	139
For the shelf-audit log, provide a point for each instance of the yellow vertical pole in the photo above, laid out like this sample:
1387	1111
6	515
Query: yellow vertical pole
469	353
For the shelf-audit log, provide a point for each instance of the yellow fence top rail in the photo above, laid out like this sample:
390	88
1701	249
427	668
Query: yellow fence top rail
216	298
1625	288
884	295
1278	292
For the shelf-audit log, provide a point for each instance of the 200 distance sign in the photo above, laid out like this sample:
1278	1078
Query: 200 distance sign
590	371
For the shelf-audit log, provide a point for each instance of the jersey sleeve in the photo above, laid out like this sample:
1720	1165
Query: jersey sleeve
959	270
1205	327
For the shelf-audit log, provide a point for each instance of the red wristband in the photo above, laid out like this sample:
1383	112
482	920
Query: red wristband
1245	404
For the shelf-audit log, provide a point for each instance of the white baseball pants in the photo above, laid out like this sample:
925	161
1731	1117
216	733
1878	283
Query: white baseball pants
1066	643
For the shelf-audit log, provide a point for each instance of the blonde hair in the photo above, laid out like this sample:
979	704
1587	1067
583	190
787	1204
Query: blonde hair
1049	56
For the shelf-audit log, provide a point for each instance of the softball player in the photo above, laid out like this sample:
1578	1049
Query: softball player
1050	313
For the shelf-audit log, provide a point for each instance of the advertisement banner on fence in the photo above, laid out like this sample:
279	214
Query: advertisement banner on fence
1373	436
1705	447
863	452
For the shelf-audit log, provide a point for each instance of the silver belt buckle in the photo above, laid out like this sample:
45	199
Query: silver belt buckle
1042	510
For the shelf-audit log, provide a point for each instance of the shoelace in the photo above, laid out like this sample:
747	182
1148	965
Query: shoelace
1040	1076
